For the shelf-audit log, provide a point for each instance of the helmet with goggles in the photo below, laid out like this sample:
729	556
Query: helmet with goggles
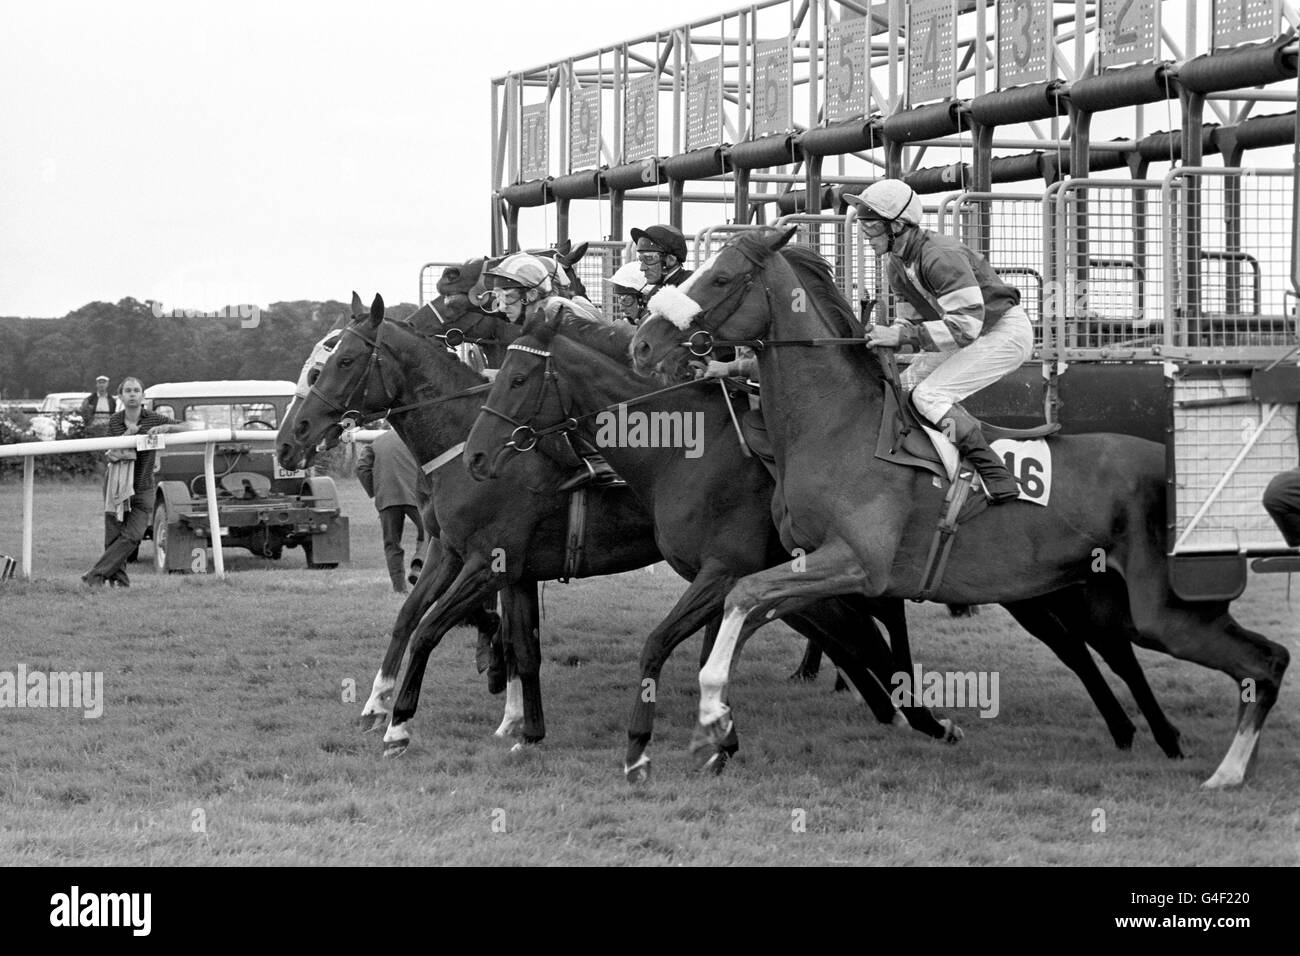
521	271
889	200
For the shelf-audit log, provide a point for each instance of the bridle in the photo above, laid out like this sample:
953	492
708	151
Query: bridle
526	435
702	342
350	414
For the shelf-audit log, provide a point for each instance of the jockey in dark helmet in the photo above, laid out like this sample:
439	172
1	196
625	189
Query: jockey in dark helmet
966	322
661	253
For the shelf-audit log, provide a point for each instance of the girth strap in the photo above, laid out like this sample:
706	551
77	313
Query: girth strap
575	544
945	533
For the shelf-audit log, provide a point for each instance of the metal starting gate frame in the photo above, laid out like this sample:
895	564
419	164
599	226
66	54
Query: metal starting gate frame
1129	252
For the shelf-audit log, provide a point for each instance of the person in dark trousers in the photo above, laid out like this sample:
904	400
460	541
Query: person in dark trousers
391	476
1282	502
128	485
98	407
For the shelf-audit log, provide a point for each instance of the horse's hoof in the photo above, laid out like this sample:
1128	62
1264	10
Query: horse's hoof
639	772
395	749
376	720
951	732
841	685
1222	781
510	727
714	744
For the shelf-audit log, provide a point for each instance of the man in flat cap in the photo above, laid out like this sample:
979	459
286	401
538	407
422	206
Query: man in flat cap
661	251
97	407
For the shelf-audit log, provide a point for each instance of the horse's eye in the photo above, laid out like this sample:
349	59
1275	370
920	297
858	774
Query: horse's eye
451	275
721	280
345	362
517	381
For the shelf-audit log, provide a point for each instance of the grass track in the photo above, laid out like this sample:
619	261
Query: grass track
226	698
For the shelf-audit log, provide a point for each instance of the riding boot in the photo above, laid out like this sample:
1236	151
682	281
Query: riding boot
969	439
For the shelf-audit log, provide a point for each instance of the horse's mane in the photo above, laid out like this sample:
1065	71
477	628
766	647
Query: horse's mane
462	376
814	275
613	339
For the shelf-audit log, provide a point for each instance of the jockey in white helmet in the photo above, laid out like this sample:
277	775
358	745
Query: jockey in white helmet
966	322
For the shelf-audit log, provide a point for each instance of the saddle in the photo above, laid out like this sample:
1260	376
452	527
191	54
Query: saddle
908	438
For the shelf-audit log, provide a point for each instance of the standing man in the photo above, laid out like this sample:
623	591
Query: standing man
128	485
661	251
969	325
391	476
97	408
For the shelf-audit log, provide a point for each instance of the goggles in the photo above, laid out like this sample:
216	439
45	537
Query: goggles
502	298
650	258
873	228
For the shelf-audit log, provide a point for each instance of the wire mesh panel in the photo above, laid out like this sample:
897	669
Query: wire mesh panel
1108	296
1227	238
1007	229
430	273
601	261
1227	448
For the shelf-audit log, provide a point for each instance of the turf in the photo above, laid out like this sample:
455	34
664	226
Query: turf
228	735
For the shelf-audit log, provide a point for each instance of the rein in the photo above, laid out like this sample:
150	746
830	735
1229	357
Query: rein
525	437
348	409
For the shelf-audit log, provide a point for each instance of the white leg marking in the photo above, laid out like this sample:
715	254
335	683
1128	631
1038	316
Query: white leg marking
396	733
1232	771
713	677
514	715
380	691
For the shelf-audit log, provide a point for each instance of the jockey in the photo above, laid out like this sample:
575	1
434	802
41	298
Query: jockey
967	324
629	288
522	287
661	250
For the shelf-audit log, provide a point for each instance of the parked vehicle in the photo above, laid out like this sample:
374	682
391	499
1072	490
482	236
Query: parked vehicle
261	506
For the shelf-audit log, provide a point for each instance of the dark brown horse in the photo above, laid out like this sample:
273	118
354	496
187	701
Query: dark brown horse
708	511
868	522
506	535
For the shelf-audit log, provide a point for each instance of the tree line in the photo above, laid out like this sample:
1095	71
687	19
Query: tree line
126	338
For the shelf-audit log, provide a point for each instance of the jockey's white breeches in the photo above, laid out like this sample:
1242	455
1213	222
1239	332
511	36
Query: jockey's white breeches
939	380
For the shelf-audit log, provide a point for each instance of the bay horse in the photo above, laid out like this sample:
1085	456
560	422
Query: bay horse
868	522
712	513
509	535
568	371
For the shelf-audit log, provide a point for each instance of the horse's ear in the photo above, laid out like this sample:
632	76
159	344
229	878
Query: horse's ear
377	310
562	249
577	253
358	307
782	237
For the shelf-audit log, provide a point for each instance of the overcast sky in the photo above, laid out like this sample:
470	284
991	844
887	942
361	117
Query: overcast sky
209	153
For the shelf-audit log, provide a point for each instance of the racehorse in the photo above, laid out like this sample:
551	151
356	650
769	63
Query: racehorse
568	373
867	522
508	534
712	518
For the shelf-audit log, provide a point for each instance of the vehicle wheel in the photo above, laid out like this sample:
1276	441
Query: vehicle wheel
169	533
306	550
160	538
